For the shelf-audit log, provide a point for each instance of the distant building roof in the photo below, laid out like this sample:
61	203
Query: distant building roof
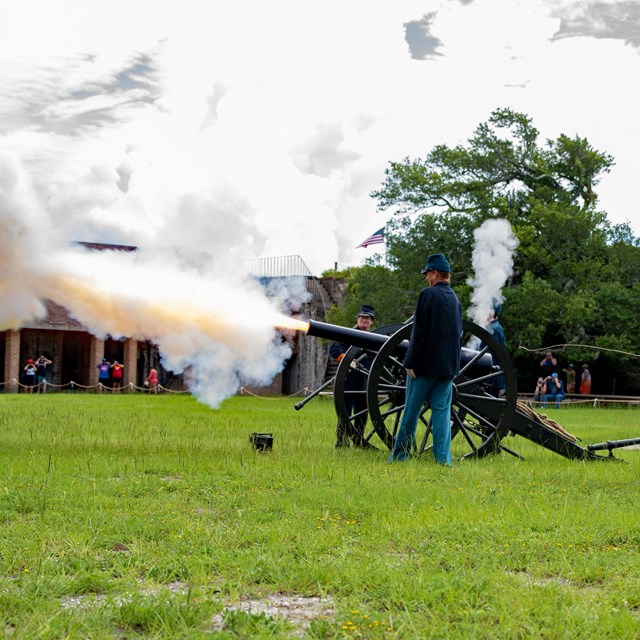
100	246
57	316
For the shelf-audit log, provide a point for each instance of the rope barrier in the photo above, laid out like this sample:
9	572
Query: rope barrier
243	390
131	387
581	346
99	387
594	402
166	390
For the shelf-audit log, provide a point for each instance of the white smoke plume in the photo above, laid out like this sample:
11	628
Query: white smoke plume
205	314
492	261
24	234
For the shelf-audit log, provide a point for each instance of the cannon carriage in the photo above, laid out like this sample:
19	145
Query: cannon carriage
480	420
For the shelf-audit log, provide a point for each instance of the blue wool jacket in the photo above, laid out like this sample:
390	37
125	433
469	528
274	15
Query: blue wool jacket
434	348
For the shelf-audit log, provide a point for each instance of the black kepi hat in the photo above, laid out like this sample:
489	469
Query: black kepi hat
367	310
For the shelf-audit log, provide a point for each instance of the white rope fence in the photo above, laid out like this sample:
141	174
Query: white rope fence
43	387
73	386
594	401
244	391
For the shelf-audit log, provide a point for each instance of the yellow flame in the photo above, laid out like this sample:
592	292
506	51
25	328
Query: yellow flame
283	322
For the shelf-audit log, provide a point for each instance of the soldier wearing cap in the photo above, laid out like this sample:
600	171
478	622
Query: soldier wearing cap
432	361
355	381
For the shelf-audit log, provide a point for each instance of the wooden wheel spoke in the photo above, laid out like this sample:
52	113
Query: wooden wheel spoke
393	366
359	414
474	381
396	363
394	411
485	398
396	424
425	437
463	429
391	387
480	418
475	431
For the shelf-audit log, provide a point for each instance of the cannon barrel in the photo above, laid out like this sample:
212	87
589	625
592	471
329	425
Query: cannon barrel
352	337
375	341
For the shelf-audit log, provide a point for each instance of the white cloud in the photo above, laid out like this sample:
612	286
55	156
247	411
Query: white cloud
262	127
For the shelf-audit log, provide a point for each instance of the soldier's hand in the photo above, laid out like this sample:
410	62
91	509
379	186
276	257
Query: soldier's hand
411	373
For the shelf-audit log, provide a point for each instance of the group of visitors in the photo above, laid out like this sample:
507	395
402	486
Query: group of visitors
110	374
551	388
34	374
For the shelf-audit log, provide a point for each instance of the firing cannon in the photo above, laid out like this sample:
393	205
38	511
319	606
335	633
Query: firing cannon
479	420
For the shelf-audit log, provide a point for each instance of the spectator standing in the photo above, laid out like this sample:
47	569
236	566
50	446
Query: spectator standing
29	376
356	381
151	380
548	364
585	381
116	375
432	361
41	371
571	378
104	374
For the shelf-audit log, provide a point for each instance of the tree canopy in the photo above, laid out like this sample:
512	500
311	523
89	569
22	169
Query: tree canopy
576	277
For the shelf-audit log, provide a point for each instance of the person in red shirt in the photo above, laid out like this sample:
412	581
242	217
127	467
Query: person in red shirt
116	375
151	381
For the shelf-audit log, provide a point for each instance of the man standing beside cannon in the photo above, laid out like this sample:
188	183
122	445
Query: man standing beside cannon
355	381
432	361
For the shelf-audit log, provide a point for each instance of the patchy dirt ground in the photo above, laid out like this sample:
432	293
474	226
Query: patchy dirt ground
299	611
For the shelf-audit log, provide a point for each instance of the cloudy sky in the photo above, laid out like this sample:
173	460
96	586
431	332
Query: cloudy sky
249	128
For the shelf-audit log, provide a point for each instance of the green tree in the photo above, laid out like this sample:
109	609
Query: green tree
376	285
576	277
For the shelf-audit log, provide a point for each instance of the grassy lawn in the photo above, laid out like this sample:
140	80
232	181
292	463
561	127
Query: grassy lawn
153	517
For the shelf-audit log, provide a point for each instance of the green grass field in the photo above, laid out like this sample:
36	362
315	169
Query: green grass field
153	517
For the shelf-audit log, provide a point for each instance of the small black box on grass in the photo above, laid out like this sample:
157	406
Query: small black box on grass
261	441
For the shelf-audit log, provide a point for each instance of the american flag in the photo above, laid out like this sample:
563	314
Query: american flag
374	238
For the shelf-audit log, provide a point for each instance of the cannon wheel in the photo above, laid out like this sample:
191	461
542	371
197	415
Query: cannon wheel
356	362
479	420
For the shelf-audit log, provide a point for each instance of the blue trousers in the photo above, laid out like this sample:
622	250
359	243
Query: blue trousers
438	392
552	397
